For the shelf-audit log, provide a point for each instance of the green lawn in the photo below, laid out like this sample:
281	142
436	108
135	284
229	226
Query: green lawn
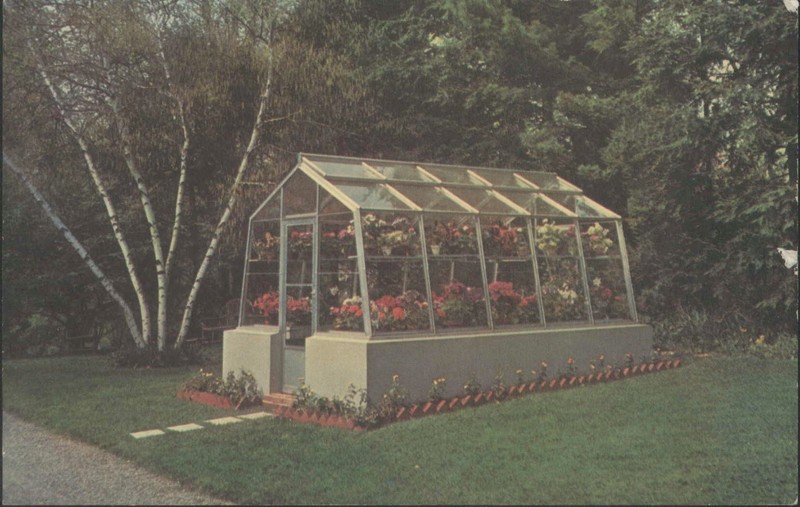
715	431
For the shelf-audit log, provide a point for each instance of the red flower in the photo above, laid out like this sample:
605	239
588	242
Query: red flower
359	312
398	313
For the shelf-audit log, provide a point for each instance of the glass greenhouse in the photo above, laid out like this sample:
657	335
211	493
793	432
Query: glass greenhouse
375	250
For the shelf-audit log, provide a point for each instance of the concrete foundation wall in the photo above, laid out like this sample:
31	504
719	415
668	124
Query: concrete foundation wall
457	358
256	349
333	361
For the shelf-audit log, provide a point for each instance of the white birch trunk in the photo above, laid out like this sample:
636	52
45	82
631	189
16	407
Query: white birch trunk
130	320
149	213
184	154
212	247
110	209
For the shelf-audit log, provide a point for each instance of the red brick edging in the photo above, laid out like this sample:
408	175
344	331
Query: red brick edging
417	410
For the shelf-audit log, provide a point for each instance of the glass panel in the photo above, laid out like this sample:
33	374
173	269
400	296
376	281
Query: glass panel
523	199
586	207
555	238
329	204
607	289
512	286
562	289
545	181
544	206
453	174
599	239
372	197
265	239
261	299
400	172
354	169
505	237
500	177
397	295
457	290
298	314
429	198
301	242
339	294
299	195
337	236
392	234
271	209
512	293
483	200
448	235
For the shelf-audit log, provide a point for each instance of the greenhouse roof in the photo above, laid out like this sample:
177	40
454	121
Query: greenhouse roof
371	184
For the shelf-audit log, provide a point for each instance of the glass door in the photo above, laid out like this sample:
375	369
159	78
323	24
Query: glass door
298	297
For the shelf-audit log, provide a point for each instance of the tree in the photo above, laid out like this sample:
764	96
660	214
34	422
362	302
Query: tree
124	79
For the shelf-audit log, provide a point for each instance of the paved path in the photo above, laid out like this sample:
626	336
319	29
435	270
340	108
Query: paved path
45	469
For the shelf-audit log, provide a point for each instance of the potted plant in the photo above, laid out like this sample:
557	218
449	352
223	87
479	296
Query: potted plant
598	240
266	249
348	316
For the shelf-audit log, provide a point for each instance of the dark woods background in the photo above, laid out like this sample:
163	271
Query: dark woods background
680	115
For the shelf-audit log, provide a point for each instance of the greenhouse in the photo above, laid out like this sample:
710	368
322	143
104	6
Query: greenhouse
359	269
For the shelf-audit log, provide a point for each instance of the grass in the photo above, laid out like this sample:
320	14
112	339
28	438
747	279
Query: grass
715	431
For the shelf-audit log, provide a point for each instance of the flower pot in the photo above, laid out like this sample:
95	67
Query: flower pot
676	363
441	406
651	367
481	398
562	382
581	379
386	250
522	388
625	372
659	365
427	408
572	380
511	391
532	387
543	384
415	411
436	249
590	378
454	403
553	383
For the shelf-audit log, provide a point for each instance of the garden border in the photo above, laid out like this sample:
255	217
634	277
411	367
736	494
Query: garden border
311	416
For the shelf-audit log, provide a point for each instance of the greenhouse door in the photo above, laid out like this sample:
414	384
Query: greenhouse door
297	297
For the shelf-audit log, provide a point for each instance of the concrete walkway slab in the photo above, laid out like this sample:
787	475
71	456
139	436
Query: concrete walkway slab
256	415
224	420
185	427
146	433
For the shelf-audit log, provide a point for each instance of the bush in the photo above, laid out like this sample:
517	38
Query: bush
243	388
696	331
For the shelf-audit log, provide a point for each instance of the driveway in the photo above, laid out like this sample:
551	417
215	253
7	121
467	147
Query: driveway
40	468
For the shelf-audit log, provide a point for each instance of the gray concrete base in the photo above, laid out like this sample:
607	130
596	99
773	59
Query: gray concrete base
257	349
335	360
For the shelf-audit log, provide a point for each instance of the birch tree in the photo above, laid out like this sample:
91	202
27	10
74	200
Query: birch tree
130	82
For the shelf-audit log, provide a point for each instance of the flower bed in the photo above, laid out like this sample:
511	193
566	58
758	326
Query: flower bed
496	394
232	392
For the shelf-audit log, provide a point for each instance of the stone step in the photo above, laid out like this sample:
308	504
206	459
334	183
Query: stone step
274	400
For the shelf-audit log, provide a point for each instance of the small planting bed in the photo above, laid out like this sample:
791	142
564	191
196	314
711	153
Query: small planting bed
313	416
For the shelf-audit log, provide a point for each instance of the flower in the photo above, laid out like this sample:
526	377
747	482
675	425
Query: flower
398	313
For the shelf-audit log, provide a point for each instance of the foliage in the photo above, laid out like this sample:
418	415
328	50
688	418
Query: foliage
406	312
349	316
472	386
437	390
238	389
